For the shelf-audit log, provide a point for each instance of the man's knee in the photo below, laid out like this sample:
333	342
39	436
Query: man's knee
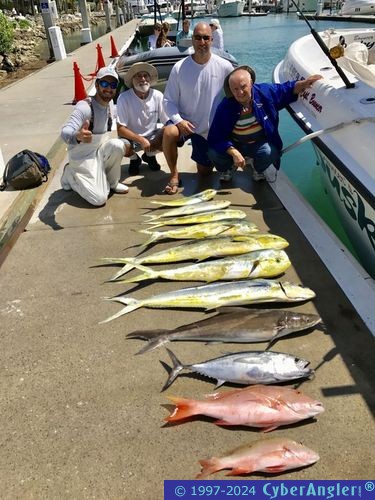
204	171
126	146
117	146
221	161
171	134
98	201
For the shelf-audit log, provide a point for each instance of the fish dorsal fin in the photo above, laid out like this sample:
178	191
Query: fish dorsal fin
232	309
219	383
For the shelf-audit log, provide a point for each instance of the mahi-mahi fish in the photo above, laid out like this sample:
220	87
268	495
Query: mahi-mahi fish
259	264
248	367
201	250
206	195
201	231
218	295
238	325
214	216
206	206
272	456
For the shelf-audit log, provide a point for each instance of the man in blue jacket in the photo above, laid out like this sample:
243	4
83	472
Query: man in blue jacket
245	125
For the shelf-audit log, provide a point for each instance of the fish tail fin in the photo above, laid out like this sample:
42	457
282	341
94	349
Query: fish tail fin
129	265
115	260
151	217
176	368
184	408
148	274
209	466
131	305
155	224
155	339
155	235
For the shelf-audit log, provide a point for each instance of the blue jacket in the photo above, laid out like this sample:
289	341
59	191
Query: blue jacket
268	100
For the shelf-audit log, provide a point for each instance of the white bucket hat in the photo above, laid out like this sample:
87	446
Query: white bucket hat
141	67
215	22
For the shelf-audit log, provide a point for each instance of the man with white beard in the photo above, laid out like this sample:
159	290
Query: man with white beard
139	112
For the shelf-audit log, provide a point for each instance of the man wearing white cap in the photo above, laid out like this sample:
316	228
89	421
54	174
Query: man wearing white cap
94	166
139	112
217	34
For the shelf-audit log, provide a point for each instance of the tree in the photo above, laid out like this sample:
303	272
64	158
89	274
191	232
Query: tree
6	34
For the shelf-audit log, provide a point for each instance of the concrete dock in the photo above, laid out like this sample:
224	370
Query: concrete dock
80	415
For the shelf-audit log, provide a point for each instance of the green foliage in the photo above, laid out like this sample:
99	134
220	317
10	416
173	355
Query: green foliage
22	24
6	34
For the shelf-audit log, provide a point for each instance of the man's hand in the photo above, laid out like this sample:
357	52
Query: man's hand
185	127
302	85
238	159
145	143
84	134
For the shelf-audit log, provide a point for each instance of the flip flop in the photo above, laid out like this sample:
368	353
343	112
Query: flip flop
172	187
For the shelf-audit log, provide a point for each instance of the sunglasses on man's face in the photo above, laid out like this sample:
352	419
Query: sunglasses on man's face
104	84
202	37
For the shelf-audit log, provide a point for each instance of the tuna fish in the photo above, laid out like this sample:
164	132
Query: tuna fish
201	250
206	206
204	217
217	295
238	325
268	455
248	367
260	264
206	195
200	231
266	407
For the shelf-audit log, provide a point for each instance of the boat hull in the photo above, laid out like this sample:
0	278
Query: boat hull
230	8
164	59
345	155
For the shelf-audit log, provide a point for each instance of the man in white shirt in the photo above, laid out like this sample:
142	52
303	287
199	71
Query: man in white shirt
139	114
94	167
191	96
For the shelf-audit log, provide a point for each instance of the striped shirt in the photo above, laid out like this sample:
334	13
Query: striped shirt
247	129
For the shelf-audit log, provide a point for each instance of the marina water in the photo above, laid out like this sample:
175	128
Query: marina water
262	42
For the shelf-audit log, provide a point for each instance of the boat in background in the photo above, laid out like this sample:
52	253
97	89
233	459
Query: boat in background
358	8
146	24
339	113
300	5
230	8
164	59
272	6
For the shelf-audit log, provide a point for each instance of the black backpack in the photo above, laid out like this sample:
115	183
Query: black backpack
25	170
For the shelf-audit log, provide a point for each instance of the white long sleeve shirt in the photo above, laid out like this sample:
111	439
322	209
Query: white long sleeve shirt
193	91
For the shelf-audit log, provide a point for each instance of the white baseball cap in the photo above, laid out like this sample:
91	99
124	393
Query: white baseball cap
107	71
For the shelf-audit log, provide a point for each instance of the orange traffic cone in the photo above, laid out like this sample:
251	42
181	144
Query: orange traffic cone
79	88
114	52
100	60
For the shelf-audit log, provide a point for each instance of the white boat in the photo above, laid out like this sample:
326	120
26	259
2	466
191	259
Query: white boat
358	8
146	24
163	59
300	5
230	8
138	7
343	118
